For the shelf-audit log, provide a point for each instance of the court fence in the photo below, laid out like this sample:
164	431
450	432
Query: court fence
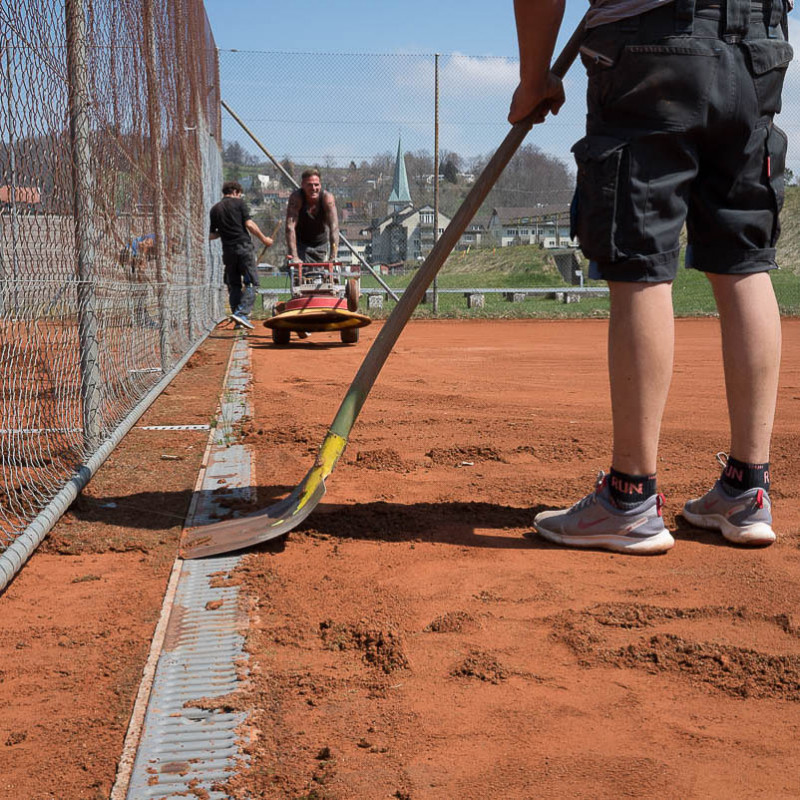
110	138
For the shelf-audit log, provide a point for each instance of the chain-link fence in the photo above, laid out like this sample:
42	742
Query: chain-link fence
349	114
109	152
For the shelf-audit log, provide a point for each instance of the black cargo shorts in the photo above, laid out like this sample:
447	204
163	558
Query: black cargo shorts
680	130
240	265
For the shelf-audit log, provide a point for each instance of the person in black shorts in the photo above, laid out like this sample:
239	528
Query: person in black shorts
312	222
231	222
680	130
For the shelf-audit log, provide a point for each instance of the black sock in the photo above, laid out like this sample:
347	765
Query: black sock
738	477
627	491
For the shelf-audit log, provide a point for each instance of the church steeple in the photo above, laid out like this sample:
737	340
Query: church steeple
400	197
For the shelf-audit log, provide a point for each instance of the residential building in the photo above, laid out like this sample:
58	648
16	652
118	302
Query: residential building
359	235
473	236
405	235
23	198
545	225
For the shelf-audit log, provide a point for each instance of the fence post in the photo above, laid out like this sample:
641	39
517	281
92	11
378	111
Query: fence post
12	194
83	209
184	128
436	177
154	120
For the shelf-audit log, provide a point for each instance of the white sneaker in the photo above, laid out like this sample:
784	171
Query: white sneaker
596	522
744	518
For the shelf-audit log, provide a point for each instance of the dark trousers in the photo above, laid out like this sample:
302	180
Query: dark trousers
241	278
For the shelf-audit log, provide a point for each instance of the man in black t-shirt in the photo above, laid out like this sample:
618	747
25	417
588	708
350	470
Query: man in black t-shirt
231	222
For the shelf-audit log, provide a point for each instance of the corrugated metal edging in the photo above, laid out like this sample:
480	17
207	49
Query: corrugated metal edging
188	745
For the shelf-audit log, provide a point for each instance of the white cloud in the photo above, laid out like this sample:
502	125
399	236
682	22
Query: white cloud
480	74
463	74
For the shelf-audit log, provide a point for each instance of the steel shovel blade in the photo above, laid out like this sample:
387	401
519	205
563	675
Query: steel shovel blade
269	523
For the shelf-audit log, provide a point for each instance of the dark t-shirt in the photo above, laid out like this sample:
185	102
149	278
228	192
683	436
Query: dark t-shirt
228	218
312	231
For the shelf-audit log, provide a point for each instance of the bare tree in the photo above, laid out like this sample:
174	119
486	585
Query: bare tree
532	178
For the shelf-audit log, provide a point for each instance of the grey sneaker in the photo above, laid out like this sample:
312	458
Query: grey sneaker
596	522
242	320
744	518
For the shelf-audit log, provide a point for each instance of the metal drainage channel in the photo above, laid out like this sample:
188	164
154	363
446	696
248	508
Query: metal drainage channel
183	745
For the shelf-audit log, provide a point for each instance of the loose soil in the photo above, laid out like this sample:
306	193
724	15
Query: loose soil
412	639
77	621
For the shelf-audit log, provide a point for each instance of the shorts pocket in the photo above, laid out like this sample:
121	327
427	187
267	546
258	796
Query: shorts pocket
777	142
769	59
601	161
665	86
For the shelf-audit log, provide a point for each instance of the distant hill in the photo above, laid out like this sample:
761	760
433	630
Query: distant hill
528	258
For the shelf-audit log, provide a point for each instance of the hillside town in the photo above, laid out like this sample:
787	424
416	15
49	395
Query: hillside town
387	212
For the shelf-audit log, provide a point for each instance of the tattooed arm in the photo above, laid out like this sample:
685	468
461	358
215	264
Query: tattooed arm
333	223
292	213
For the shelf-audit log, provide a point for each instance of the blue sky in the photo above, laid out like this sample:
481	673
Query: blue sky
477	27
264	90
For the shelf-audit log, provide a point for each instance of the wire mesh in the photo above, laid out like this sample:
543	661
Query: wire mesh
346	113
110	161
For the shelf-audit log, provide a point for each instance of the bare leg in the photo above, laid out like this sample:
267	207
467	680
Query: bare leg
641	341
751	350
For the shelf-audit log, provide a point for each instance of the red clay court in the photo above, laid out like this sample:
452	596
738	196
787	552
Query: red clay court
410	640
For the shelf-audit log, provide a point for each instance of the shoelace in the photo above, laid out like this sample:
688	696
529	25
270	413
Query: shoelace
585	502
591	498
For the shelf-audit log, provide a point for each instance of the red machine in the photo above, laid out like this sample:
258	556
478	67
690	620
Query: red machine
324	298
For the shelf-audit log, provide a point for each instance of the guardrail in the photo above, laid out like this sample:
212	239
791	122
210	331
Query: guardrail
475	298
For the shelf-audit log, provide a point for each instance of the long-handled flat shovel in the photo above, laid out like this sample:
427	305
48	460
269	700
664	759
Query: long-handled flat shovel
277	519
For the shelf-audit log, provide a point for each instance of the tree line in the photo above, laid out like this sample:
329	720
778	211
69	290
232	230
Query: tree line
532	178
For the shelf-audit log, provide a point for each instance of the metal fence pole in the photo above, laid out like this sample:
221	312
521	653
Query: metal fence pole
436	176
154	120
12	189
186	158
85	235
